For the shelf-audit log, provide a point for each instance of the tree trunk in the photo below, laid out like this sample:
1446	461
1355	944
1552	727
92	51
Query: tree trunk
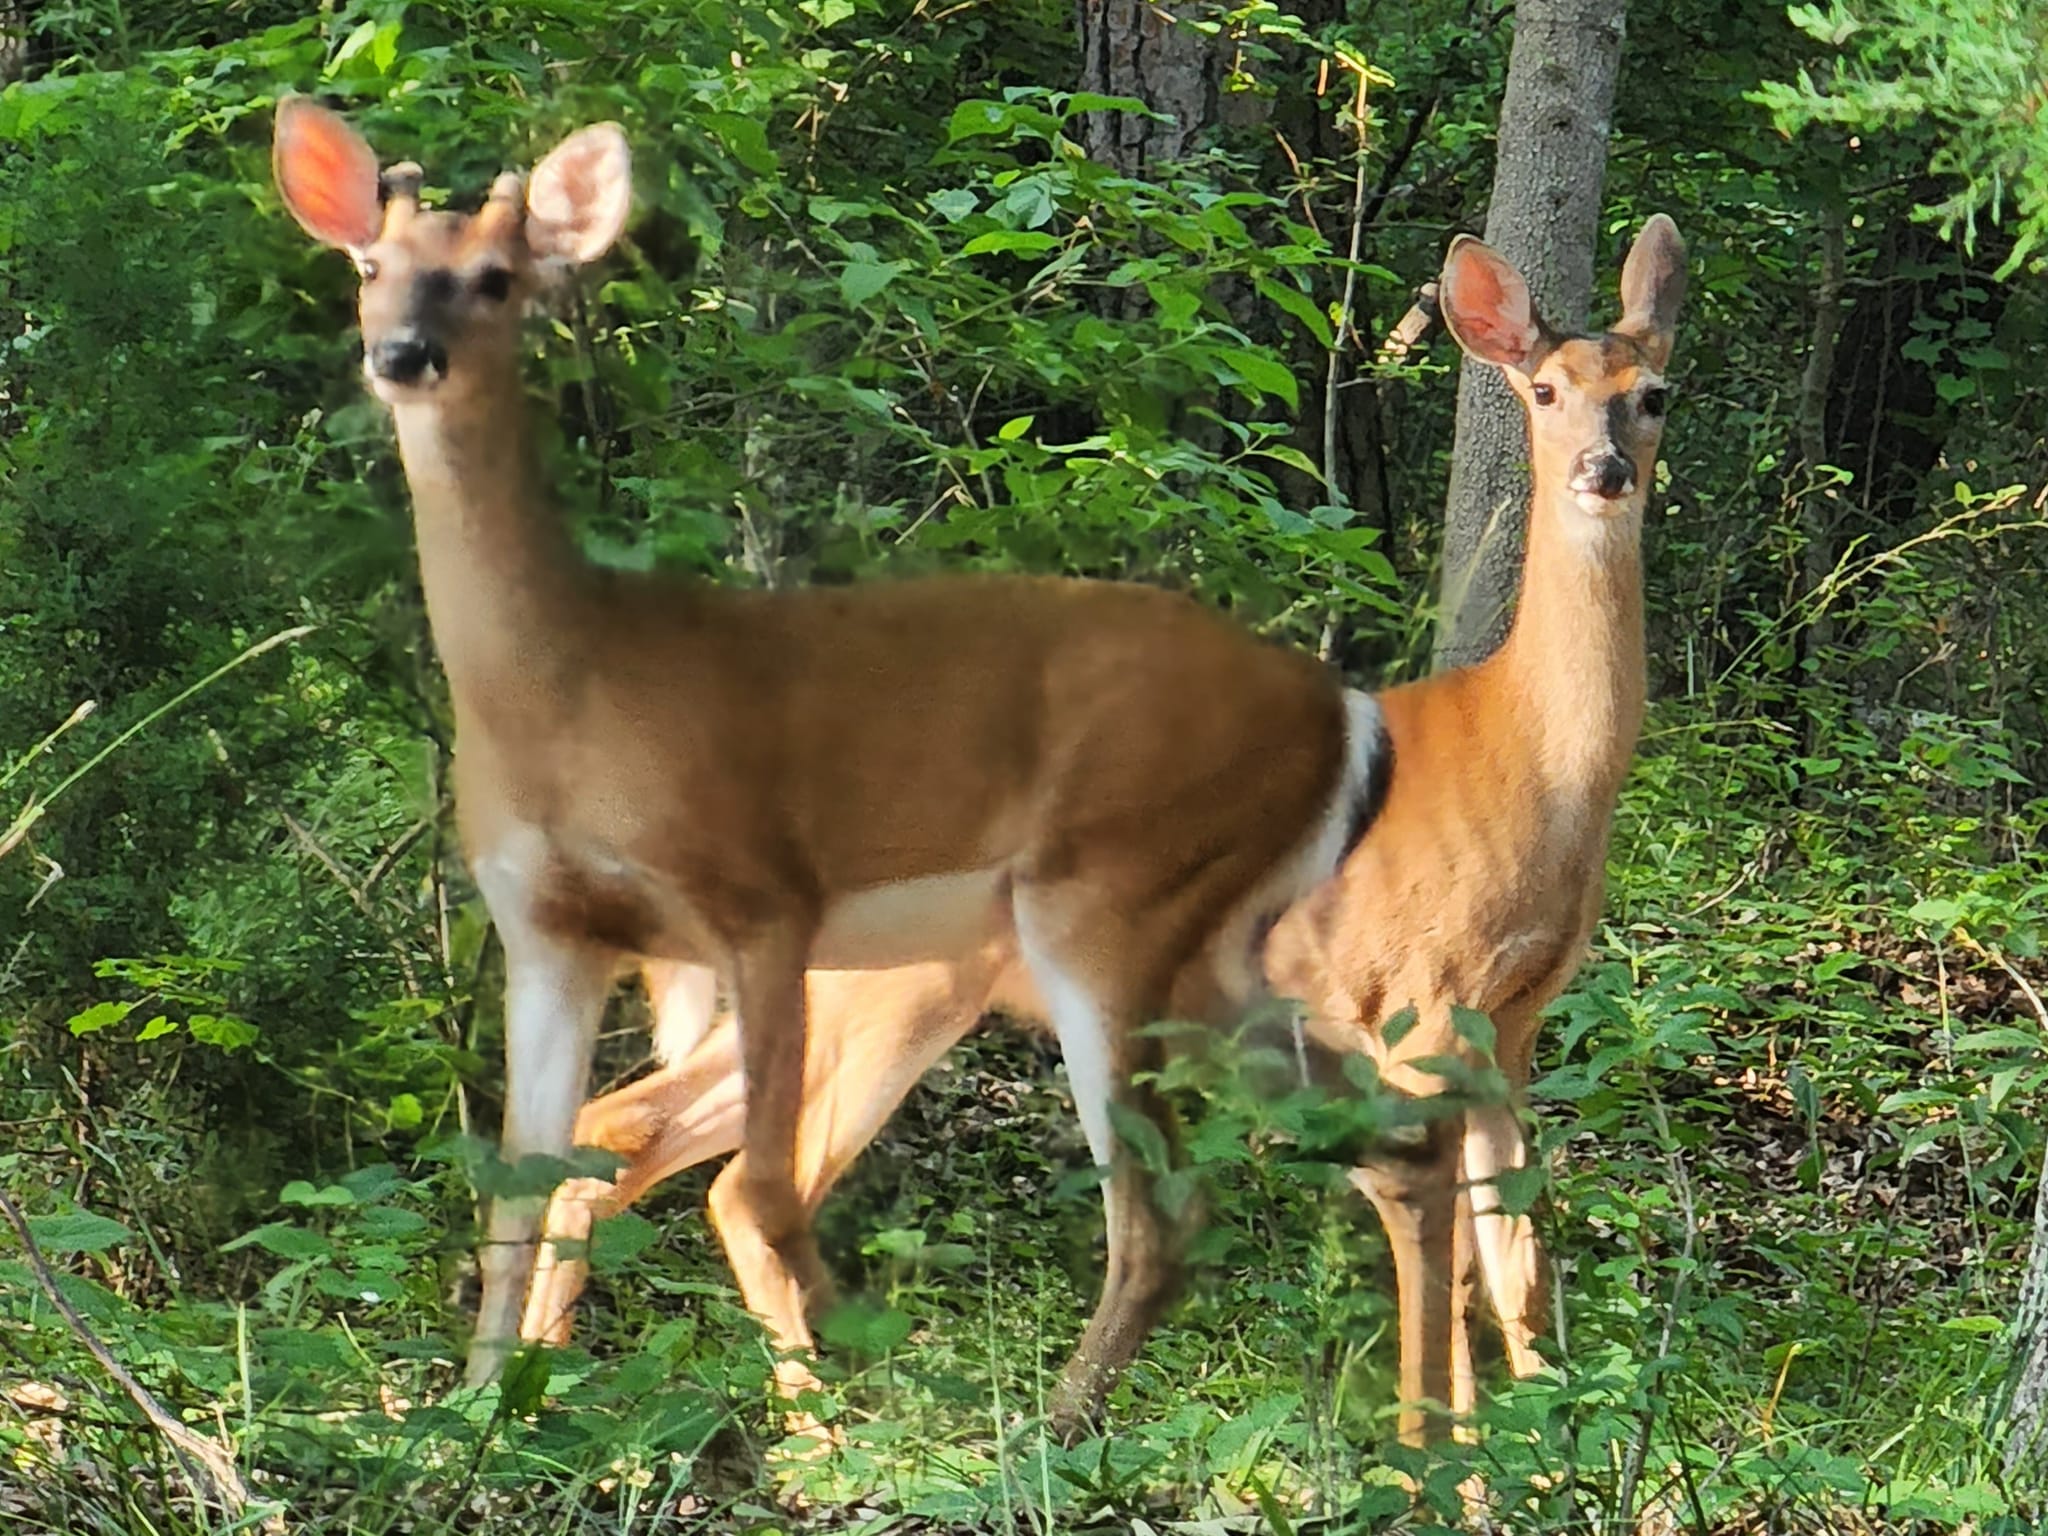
1143	50
1543	216
2027	1413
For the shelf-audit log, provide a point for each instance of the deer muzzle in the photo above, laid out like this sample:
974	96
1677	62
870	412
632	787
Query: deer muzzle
407	357
1603	473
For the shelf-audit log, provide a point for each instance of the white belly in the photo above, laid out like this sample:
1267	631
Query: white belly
939	917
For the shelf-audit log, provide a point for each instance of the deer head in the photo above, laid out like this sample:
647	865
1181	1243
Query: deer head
442	293
1595	403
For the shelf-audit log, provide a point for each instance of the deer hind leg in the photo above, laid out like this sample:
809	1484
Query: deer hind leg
554	999
1464	1296
1413	1185
680	1116
684	1000
1510	1255
1098	1010
873	1035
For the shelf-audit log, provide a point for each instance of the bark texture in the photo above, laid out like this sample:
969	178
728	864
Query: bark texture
1132	48
2026	1433
1543	216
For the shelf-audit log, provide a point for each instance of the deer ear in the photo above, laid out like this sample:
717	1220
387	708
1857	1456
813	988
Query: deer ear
578	197
326	174
1487	307
1652	288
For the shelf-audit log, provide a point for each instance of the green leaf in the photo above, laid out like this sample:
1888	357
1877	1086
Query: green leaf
1009	240
1980	1325
1298	304
358	40
156	1028
374	1181
524	1384
1030	203
745	139
1177	306
77	1232
1293	458
860	281
866	1330
1475	1029
1142	1136
223	1030
1832	966
284	1240
384	52
621	1238
299	1192
1520	1187
1095	101
953	204
1936	912
973	118
1261	373
98	1017
1014	428
834	210
389	1221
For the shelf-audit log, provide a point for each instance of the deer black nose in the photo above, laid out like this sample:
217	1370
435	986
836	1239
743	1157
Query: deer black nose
1603	473
404	358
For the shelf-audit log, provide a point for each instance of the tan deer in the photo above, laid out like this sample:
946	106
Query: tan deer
744	784
1477	885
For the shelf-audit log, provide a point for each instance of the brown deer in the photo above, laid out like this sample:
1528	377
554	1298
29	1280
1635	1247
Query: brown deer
745	784
1476	885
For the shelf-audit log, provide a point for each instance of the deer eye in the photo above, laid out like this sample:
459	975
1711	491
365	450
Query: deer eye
494	283
1545	394
1655	401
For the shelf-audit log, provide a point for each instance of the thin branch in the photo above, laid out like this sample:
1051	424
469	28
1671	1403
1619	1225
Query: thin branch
1332	485
36	809
1413	328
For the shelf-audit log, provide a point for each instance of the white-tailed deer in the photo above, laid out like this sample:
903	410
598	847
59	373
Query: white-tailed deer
1477	884
744	784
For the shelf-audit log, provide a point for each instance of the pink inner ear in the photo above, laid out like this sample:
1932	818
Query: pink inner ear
1478	300
578	197
329	178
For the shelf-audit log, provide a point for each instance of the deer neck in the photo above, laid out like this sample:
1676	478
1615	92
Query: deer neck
507	591
1572	667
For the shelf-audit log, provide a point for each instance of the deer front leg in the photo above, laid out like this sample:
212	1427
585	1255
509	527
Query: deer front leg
1414	1187
769	1008
873	1035
554	998
684	1113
